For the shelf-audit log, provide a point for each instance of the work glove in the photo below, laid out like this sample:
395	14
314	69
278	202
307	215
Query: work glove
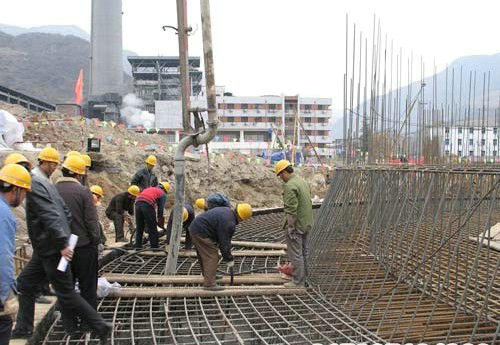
230	264
11	306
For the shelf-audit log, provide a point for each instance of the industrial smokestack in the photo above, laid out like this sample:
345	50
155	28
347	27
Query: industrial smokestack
106	48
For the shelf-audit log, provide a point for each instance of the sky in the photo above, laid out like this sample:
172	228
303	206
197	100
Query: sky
287	46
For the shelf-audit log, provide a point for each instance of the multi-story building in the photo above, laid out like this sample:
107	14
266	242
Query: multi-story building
253	124
473	142
158	78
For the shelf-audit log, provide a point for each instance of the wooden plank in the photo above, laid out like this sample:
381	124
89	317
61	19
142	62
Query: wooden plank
256	278
200	292
236	253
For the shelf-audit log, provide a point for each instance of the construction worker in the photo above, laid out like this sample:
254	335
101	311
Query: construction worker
15	181
121	203
298	221
149	207
88	164
187	219
17	158
215	228
48	220
145	177
213	200
97	195
84	224
57	174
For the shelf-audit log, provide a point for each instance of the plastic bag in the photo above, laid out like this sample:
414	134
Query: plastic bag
104	288
11	130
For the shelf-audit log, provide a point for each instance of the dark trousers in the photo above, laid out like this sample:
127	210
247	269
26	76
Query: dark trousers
118	221
84	269
5	329
40	269
145	218
208	257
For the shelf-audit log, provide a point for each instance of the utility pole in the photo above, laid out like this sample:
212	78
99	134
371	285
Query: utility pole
182	32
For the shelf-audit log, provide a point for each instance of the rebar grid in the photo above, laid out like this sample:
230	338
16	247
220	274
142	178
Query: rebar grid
394	249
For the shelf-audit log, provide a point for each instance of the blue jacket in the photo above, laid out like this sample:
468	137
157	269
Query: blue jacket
219	225
7	247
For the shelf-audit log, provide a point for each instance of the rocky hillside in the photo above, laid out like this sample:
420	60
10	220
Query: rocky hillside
45	66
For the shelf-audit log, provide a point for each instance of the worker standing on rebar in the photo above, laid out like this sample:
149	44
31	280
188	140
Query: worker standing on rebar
145	177
187	219
84	224
117	210
149	208
15	181
88	164
48	220
298	221
213	230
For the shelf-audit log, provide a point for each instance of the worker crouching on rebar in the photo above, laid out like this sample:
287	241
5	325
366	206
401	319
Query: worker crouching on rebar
119	205
149	207
215	228
298	221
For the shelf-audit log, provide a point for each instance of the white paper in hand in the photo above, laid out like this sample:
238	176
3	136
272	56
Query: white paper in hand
63	263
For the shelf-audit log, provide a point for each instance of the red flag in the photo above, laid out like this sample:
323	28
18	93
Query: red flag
79	89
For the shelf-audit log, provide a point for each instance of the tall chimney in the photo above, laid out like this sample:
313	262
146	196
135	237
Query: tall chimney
106	48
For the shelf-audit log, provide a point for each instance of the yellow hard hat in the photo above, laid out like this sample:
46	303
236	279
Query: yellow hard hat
16	175
87	160
185	214
200	203
282	165
75	164
166	186
97	190
244	211
134	190
15	158
151	160
49	154
73	153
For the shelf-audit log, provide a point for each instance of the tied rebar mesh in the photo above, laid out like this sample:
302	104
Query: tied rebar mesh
409	253
306	318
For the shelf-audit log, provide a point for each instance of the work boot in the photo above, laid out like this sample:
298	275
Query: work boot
293	284
42	300
21	334
105	333
214	288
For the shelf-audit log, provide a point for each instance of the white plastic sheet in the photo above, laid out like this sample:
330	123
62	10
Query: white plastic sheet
11	131
104	288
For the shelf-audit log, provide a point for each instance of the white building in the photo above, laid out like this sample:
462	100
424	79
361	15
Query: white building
473	142
252	124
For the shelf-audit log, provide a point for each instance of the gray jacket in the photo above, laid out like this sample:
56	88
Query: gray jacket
47	216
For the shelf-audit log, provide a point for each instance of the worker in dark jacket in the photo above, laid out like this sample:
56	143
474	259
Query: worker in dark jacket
146	177
187	219
84	224
149	207
48	220
121	203
215	228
